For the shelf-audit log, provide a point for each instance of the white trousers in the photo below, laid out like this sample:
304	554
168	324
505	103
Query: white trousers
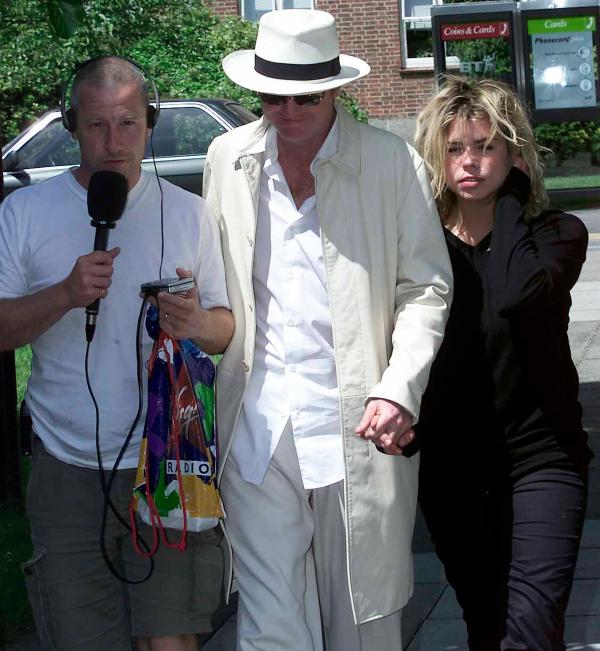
289	557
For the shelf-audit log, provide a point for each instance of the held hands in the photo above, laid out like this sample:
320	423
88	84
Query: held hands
180	315
387	424
90	278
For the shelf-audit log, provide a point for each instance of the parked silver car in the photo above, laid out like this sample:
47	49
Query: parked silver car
180	140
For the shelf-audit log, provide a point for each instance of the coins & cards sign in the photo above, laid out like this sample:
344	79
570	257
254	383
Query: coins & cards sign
467	31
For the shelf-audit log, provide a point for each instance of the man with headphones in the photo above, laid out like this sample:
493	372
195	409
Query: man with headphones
47	277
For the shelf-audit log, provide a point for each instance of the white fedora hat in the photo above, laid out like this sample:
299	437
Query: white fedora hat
297	52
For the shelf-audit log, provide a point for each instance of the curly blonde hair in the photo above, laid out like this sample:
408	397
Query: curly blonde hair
467	99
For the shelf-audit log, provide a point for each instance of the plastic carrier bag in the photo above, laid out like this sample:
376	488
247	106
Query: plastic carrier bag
176	481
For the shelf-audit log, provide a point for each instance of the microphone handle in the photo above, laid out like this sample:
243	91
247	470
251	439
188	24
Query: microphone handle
100	244
101	239
91	311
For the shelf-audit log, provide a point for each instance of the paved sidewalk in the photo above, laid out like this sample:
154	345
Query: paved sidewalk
431	620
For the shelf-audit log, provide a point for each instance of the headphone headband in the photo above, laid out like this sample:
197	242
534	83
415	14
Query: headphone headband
68	116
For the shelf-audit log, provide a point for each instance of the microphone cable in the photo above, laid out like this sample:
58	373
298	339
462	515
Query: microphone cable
106	486
162	220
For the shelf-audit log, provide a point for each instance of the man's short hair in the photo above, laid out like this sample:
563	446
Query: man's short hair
109	71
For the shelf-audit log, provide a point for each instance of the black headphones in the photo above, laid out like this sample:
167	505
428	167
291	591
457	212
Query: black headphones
68	116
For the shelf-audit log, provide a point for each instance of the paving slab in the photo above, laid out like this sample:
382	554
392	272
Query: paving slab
585	598
447	606
418	609
586	301
429	568
582	633
588	564
590	537
444	635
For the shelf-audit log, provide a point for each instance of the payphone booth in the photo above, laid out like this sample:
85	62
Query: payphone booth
477	40
560	46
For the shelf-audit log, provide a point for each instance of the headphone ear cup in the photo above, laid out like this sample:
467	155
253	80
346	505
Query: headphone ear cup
151	116
70	120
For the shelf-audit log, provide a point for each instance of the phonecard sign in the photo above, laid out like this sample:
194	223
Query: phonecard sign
563	56
465	31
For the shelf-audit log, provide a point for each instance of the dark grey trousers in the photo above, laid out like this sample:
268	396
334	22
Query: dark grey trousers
509	552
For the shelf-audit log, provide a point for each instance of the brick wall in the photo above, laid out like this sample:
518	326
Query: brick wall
370	29
225	7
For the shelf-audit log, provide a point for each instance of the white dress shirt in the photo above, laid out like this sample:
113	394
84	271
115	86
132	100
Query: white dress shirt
294	375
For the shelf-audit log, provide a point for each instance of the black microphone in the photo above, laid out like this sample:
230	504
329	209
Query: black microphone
106	198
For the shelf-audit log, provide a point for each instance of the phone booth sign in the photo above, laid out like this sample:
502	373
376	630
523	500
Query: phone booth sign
561	67
561	53
464	31
472	32
475	39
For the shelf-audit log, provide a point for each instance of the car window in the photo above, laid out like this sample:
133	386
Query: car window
183	131
242	112
52	146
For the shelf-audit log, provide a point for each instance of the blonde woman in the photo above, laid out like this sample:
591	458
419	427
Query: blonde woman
504	455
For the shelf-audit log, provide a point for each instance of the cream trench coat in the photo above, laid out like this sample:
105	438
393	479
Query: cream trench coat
389	283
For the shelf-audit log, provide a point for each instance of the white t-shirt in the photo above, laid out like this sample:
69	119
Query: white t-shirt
43	230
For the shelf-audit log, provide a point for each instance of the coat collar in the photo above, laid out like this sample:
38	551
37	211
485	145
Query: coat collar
346	158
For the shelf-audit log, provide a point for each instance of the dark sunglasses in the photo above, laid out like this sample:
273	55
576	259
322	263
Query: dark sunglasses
302	100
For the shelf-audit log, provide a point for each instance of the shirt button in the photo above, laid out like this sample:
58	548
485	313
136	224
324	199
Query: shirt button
245	366
250	241
251	307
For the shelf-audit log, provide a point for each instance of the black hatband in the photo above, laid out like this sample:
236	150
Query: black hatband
297	71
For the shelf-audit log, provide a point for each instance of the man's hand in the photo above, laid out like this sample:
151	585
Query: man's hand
24	319
387	424
180	315
90	278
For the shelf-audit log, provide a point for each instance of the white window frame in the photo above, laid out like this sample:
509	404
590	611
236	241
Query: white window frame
275	5
421	20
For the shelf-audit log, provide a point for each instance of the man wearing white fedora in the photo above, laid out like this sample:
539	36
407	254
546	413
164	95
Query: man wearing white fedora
340	284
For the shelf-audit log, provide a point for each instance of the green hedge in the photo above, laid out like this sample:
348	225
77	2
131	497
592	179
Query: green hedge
568	138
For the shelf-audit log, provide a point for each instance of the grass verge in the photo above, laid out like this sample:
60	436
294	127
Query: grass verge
572	182
15	548
15	542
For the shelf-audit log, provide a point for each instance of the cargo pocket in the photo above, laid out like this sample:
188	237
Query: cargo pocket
35	580
208	593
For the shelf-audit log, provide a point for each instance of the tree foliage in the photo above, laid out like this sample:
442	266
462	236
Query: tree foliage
180	43
65	16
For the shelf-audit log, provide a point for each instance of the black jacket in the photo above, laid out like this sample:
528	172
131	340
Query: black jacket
502	396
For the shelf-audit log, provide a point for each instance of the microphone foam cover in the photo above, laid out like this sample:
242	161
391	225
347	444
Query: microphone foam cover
107	195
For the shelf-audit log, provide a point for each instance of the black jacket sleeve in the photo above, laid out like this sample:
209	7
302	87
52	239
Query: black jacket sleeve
531	265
